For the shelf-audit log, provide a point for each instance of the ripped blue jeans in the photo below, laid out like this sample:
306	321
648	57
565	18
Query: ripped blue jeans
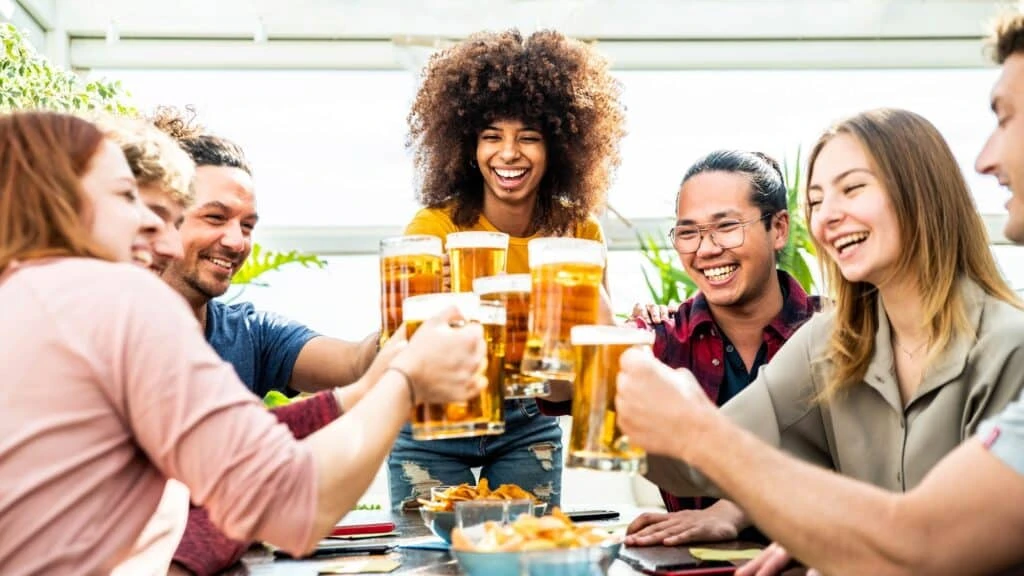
528	454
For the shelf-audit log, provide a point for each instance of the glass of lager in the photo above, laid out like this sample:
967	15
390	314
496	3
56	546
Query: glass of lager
409	266
596	441
479	416
475	254
565	291
513	290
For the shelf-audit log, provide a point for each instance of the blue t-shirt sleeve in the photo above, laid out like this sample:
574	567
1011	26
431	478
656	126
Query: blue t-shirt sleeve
279	342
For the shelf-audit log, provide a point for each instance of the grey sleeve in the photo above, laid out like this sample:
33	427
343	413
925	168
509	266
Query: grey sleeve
1003	435
777	407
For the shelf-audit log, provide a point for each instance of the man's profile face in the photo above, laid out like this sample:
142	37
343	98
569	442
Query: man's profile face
1003	153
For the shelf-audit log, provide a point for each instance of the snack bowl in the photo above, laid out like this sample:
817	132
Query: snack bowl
589	561
442	522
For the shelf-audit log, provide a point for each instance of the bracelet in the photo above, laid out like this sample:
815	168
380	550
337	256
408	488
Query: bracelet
408	382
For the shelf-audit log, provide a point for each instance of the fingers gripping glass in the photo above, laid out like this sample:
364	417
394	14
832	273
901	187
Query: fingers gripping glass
725	234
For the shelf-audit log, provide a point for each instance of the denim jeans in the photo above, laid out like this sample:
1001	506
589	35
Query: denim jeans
528	454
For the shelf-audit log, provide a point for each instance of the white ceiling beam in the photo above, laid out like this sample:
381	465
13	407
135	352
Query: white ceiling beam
624	55
44	12
599	19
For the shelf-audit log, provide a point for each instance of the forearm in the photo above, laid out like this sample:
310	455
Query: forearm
349	451
730	512
833	523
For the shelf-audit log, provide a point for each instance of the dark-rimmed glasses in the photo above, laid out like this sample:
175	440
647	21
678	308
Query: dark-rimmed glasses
725	234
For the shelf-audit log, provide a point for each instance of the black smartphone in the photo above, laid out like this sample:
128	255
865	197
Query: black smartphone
327	548
591	515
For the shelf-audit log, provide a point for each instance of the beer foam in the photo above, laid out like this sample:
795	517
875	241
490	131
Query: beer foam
564	251
592	335
491	312
411	245
502	283
477	240
423	307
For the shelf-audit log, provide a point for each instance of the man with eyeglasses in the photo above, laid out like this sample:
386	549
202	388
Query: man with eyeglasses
731	221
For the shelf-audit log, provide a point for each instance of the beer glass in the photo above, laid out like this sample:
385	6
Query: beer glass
565	292
596	441
513	290
484	414
409	266
475	254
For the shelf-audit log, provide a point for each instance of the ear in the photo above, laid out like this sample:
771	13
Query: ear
780	229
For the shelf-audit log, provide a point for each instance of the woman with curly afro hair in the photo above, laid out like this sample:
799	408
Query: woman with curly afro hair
521	136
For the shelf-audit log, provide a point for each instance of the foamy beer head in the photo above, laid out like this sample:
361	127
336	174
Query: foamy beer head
418	309
409	266
595	440
565	291
610	336
472	255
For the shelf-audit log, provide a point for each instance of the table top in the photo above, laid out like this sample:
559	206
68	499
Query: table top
413	561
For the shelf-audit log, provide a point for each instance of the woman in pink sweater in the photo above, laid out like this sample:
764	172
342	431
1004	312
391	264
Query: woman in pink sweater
108	387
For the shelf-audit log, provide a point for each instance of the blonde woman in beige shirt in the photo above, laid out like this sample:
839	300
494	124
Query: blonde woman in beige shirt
923	342
109	389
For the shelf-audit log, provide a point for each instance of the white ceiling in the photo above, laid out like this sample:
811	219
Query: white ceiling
635	33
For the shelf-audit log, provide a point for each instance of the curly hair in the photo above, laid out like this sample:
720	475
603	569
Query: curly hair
154	157
561	85
204	148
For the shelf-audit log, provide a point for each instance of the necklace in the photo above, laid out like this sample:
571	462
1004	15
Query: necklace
911	353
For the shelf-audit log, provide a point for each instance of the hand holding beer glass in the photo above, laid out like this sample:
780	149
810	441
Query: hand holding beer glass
513	291
565	291
596	441
481	415
475	254
409	266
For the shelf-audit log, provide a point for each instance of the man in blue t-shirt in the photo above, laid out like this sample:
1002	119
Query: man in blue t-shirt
269	352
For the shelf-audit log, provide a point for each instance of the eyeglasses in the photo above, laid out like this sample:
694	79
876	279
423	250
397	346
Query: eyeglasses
725	234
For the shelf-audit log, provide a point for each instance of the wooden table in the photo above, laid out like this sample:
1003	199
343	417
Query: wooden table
424	562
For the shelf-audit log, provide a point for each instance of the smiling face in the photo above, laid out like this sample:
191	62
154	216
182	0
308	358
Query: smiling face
216	233
119	220
1003	154
512	158
852	217
738	275
164	242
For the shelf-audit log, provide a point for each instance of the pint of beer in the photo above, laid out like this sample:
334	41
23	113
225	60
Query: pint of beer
513	290
565	292
484	414
475	254
596	441
409	266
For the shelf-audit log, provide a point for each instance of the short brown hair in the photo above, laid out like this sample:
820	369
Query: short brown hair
154	157
43	156
1007	37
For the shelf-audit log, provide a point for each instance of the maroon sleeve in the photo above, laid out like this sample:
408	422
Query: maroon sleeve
307	416
549	408
204	549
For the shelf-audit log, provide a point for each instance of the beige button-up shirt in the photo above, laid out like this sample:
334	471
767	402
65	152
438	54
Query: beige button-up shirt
867	433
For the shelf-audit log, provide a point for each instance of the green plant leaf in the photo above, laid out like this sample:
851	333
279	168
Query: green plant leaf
273	399
261	261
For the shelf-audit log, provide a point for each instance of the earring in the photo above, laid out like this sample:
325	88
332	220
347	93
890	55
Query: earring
472	162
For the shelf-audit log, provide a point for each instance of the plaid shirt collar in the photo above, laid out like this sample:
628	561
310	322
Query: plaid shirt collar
797	306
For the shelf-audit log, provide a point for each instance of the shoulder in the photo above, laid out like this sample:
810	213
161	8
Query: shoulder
590	229
433	221
1001	325
107	286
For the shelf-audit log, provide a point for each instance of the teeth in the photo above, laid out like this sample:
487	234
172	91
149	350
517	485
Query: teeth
510	173
849	239
719	272
220	262
144	257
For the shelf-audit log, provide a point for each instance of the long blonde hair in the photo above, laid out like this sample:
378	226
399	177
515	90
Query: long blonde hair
943	237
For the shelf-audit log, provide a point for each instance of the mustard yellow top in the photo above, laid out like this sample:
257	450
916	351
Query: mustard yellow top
438	222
